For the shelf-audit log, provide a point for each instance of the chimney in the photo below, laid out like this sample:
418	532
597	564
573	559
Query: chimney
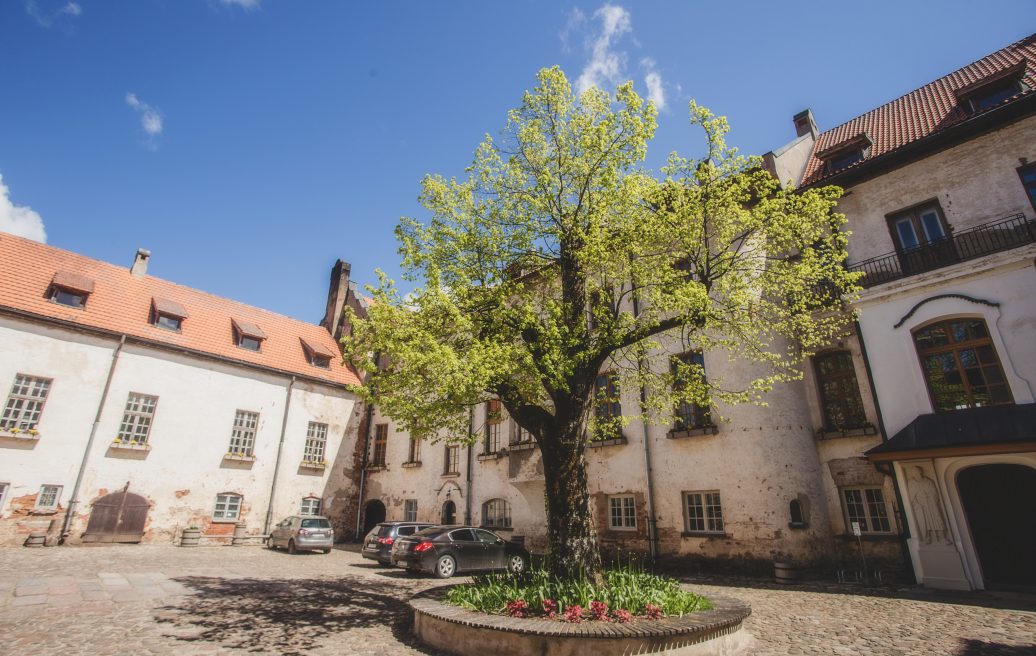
805	123
139	268
337	291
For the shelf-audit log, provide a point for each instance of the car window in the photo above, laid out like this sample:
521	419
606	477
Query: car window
430	532
486	536
462	535
316	523
384	530
406	530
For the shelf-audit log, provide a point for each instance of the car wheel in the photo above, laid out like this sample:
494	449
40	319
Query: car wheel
445	567
327	551
381	564
270	545
516	564
291	547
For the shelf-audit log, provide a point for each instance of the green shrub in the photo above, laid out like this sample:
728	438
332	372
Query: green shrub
626	588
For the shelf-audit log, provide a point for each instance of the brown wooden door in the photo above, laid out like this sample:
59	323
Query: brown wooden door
117	517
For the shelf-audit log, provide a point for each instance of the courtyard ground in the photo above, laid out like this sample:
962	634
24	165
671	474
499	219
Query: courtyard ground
226	600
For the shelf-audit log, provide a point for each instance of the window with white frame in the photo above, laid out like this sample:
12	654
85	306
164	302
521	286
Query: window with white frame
316	441
48	497
520	435
496	513
311	506
866	506
451	461
494	425
3	494
25	404
414	453
622	512
703	512
242	437
136	421
410	510
228	507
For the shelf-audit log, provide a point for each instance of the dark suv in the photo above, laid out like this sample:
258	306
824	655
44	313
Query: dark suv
378	543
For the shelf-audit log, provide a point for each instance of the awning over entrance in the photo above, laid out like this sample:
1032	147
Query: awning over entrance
993	429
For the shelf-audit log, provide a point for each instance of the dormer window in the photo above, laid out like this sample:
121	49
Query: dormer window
71	289
317	354
167	314
846	153
992	90
247	335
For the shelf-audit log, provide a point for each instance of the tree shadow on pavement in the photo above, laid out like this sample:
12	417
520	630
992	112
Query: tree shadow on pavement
981	648
284	616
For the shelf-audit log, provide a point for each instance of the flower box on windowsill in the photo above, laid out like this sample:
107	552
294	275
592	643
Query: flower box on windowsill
677	434
30	435
492	455
376	468
409	464
240	457
611	441
314	464
522	446
130	446
835	433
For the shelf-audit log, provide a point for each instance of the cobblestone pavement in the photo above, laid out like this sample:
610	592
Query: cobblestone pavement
224	600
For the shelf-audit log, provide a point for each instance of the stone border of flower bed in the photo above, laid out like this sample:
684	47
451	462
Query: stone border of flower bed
464	632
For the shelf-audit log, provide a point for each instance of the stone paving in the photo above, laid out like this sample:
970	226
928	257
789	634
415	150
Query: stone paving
226	600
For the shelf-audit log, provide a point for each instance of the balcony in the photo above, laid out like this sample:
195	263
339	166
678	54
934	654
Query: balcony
986	239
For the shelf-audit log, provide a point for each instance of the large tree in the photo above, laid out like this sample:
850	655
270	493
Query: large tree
558	257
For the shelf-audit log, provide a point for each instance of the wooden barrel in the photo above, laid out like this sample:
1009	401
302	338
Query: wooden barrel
240	534
36	540
190	537
785	573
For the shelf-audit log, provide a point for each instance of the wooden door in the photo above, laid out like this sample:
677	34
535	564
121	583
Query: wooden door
117	517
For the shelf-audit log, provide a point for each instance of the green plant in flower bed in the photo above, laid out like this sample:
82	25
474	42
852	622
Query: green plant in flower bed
626	588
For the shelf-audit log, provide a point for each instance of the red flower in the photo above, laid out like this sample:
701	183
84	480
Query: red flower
599	611
573	614
550	608
517	608
622	616
653	612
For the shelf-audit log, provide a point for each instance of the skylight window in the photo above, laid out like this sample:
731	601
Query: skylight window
71	289
992	90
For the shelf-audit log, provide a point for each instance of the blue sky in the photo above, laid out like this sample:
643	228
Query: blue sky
250	143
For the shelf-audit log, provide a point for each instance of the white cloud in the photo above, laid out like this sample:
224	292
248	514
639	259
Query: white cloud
72	9
21	221
653	81
50	13
576	18
606	64
244	4
150	118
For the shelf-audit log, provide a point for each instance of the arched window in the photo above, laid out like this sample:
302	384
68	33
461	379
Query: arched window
496	513
311	506
840	399
960	365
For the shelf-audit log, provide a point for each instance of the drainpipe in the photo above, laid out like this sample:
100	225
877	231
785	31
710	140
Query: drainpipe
652	521
468	481
74	501
369	412
280	451
905	535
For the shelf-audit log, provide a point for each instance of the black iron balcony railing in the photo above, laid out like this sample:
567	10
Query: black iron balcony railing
985	239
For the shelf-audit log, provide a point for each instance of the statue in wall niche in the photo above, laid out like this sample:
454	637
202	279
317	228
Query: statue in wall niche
924	497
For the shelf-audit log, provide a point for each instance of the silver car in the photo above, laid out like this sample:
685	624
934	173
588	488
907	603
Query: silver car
303	533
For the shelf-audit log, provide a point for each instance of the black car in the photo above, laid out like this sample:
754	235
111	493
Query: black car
378	543
446	550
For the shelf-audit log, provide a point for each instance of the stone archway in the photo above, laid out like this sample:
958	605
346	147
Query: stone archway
373	514
997	503
449	512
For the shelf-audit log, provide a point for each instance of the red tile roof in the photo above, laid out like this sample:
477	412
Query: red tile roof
121	303
925	111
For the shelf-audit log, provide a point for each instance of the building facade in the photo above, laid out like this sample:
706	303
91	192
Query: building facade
136	407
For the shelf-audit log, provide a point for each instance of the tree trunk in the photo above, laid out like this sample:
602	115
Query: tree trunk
571	534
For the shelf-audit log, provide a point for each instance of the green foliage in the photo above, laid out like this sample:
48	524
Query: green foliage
627	587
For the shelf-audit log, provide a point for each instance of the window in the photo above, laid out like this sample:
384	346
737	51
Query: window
689	367
242	437
703	512
496	513
797	513
316	440
494	425
866	506
622	513
247	335
917	227
846	153
380	445
25	404
48	497
167	314
608	408
410	510
311	506
520	436
3	494
1028	176
71	289
960	365
316	354
228	507
993	90
136	421
840	401
451	463
414	454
